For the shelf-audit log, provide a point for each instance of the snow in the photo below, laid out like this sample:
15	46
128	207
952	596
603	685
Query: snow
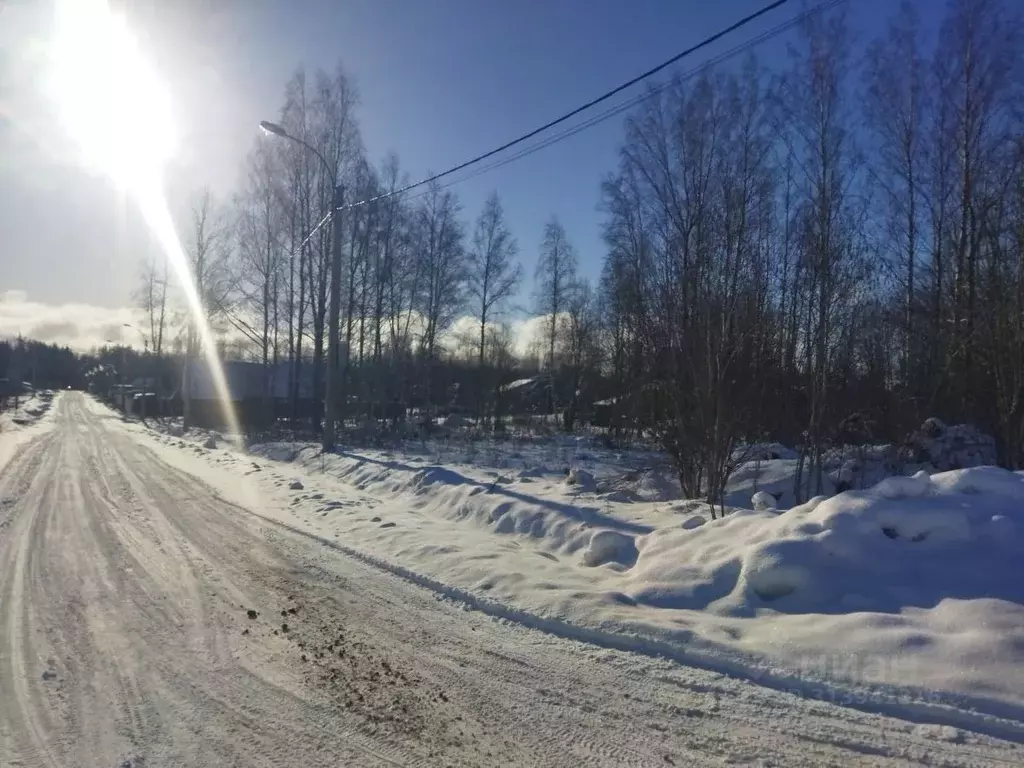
581	479
961	445
33	416
904	596
610	547
694	521
253	629
655	485
519	383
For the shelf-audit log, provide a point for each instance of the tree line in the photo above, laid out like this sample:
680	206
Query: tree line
412	267
828	251
38	365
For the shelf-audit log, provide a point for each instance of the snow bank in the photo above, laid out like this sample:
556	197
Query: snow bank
656	485
610	548
935	447
581	479
30	409
910	584
908	541
19	425
907	547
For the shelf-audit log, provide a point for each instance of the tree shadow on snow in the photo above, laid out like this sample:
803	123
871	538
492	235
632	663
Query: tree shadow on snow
592	516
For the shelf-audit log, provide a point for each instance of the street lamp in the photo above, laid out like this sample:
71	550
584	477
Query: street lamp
335	295
121	374
145	341
145	351
275	129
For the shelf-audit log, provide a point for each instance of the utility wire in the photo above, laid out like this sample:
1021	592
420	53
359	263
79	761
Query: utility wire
592	103
634	100
596	119
298	249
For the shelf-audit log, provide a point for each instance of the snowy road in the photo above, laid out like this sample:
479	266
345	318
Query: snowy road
146	622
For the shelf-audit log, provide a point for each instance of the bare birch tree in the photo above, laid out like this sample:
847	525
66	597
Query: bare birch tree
494	275
152	295
554	279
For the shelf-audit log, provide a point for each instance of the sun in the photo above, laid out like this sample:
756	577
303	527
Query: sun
114	107
106	95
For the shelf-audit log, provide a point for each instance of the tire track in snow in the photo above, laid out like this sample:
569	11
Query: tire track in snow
25	722
214	697
125	680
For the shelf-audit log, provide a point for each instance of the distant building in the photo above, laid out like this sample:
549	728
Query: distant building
259	394
525	395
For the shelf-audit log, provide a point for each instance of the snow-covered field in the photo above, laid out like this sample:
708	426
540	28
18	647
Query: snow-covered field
904	597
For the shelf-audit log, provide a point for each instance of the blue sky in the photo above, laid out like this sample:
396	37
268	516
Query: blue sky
440	80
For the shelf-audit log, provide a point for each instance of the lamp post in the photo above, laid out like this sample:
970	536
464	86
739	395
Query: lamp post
145	341
121	374
333	311
145	351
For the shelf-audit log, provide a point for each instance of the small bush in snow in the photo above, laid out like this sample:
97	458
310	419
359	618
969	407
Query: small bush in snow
763	452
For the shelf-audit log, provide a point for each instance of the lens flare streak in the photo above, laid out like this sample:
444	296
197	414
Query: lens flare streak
154	210
115	109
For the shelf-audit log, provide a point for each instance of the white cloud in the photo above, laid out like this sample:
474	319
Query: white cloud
462	336
84	327
79	326
526	334
529	333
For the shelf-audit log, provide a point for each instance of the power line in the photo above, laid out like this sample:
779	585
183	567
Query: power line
592	103
598	118
634	100
297	249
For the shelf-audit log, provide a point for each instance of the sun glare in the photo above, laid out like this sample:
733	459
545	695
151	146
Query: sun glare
108	98
113	105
